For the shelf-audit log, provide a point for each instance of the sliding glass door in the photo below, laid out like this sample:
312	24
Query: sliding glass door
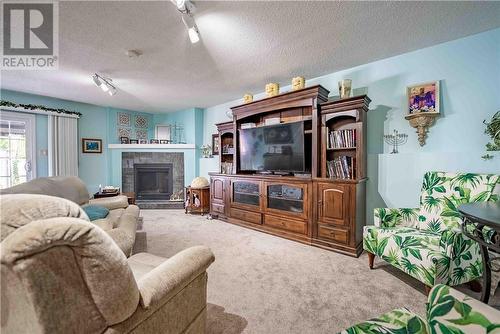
17	148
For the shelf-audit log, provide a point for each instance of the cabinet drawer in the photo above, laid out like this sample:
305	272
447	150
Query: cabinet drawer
247	216
334	234
292	225
218	208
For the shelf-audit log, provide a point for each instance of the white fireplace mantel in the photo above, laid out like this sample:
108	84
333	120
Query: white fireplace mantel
153	146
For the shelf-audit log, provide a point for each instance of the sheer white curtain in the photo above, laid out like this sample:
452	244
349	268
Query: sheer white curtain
63	146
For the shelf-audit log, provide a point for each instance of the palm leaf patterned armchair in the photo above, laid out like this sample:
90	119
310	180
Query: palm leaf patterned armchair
427	242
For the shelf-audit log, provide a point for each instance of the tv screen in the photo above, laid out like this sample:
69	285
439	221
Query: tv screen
273	148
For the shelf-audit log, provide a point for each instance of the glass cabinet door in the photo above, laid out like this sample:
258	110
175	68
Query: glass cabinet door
285	197
246	193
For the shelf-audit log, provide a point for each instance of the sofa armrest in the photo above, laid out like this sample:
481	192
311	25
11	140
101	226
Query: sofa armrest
454	243
164	281
448	308
111	203
405	217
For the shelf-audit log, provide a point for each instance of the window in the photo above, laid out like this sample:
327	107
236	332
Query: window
17	148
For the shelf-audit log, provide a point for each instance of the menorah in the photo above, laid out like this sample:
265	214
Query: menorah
395	140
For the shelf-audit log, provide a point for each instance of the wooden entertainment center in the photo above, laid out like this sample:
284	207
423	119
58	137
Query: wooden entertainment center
323	206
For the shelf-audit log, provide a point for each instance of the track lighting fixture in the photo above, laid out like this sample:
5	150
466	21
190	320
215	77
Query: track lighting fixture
187	9
104	83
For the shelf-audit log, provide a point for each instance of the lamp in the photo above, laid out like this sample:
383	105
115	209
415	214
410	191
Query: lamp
104	83
194	35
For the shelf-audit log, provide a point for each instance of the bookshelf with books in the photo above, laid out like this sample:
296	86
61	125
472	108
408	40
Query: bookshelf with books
343	153
341	184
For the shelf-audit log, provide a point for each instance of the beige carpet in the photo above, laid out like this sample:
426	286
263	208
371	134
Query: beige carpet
263	284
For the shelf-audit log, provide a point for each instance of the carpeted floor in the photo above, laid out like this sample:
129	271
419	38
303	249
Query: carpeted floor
263	284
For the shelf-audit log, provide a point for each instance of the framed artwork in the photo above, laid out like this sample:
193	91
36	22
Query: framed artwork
215	144
141	134
423	98
163	141
124	140
134	141
123	132
154	141
90	145
123	119
141	121
143	141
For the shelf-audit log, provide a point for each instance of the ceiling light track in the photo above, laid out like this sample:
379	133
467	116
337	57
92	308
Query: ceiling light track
104	83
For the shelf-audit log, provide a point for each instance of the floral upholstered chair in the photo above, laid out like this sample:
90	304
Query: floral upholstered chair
427	242
448	311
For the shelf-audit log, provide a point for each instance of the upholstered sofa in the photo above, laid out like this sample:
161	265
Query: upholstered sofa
121	223
62	274
427	242
448	311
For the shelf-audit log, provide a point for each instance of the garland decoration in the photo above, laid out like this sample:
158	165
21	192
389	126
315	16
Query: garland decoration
4	103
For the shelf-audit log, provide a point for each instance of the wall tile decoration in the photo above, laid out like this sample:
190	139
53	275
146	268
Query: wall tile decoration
123	119
123	132
141	134
141	122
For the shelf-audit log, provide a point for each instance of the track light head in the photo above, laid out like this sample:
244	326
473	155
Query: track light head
184	6
194	35
96	79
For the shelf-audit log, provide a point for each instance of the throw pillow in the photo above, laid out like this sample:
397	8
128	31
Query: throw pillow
95	212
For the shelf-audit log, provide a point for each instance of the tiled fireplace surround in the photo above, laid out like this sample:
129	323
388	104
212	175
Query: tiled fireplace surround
131	158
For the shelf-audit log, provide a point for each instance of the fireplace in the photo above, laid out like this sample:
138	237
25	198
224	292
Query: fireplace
153	181
153	177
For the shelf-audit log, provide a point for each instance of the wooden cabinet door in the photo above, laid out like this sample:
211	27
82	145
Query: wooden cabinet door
334	204
246	194
217	190
289	199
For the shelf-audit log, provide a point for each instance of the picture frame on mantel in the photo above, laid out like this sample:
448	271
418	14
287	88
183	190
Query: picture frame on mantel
215	144
91	145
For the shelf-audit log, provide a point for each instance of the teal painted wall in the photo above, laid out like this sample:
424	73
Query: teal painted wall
102	123
469	72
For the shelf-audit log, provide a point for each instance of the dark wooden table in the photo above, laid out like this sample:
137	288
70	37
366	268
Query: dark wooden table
476	218
130	195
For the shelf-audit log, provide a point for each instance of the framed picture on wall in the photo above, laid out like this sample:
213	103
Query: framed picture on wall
90	145
154	141
143	141
423	98
134	141
124	140
215	144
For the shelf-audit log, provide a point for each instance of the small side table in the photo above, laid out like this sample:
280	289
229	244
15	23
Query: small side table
197	200
481	222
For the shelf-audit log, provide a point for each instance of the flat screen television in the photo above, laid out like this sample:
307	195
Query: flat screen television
273	148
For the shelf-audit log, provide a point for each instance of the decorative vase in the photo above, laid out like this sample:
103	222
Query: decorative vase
345	88
247	98
298	83
272	89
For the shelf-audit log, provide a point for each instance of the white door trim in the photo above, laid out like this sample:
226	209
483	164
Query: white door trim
30	120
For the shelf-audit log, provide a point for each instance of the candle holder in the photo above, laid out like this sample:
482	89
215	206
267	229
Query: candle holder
396	139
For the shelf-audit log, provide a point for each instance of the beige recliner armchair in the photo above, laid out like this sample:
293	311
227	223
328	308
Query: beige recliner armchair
62	274
123	223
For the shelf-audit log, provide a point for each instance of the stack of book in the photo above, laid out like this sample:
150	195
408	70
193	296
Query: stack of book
342	138
341	167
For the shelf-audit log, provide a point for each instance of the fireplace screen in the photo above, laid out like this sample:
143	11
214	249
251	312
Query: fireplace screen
153	181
